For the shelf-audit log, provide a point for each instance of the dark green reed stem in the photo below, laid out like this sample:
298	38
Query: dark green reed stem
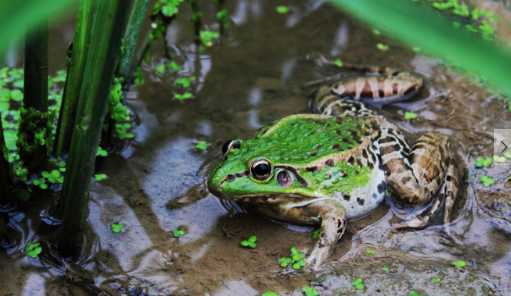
133	37
80	47
222	15
108	24
36	70
196	19
5	180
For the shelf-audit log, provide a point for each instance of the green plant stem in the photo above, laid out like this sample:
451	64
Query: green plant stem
196	19
36	70
220	4
134	37
5	180
108	25
76	68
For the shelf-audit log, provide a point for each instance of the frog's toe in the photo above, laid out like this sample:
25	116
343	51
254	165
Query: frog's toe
316	258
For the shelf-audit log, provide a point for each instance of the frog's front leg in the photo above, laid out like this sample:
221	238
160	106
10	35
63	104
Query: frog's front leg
425	173
333	224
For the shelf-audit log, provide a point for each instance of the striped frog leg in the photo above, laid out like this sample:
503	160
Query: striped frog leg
378	90
419	175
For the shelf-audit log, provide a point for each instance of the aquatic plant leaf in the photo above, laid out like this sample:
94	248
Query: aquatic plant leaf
100	177
436	280
459	264
19	17
269	293
282	9
201	146
414	293
338	62
487	181
315	234
250	242
117	227
309	291
179	232
386	268
370	252
358	284
483	162
382	46
33	249
285	261
417	24
410	115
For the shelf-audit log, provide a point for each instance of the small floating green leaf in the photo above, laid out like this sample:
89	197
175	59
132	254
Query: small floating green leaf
358	284
184	82
117	227
338	63
101	152
179	232
316	234
459	264
370	252
285	261
436	280
382	46
386	268
483	162
208	37
414	293
270	293
310	291
201	146
250	242
410	115
487	181
100	177
184	96
282	9
33	249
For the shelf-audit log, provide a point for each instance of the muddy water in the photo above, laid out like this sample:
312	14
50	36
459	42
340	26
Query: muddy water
252	78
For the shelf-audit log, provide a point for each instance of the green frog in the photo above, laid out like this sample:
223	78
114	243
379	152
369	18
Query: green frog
339	164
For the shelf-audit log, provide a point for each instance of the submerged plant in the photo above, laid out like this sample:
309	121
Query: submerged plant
250	242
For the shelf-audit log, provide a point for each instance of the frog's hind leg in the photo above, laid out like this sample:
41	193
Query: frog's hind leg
426	173
334	106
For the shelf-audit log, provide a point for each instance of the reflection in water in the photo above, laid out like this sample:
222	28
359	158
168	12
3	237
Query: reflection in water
340	40
107	207
168	178
34	285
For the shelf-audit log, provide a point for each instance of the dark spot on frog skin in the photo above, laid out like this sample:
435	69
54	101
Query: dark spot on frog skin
381	187
346	197
375	196
364	154
336	146
313	153
351	160
311	169
360	201
330	162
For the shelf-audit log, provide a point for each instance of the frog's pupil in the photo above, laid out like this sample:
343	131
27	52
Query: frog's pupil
261	170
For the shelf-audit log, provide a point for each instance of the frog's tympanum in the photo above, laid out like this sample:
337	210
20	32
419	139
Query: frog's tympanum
327	168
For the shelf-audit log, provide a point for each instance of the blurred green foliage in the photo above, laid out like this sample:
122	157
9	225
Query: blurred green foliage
18	17
418	24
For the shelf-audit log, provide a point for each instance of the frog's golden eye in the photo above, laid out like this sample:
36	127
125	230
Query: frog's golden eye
231	144
261	170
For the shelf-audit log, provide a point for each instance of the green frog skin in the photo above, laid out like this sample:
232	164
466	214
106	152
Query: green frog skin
336	165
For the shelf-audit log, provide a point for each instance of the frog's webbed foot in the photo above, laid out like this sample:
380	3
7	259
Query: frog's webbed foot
333	225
